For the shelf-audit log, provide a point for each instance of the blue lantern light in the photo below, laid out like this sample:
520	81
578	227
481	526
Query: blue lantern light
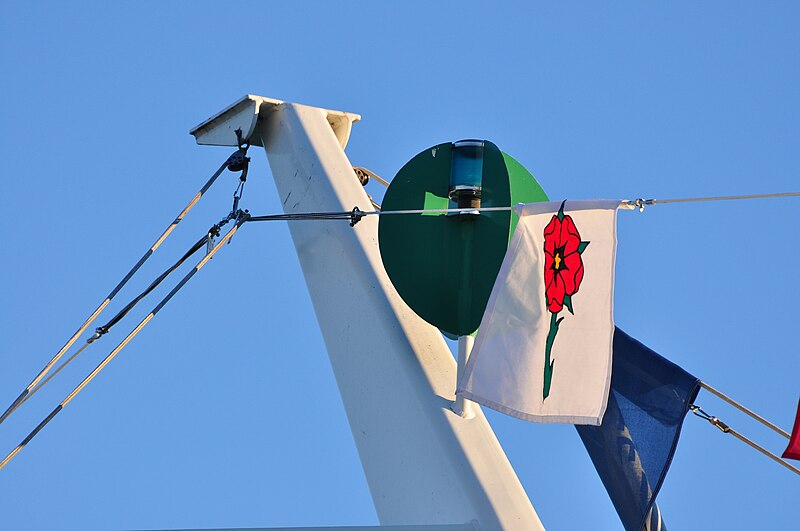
466	173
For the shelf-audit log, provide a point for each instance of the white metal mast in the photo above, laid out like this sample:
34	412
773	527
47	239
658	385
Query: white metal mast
424	464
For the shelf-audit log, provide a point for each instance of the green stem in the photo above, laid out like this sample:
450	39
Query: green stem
548	365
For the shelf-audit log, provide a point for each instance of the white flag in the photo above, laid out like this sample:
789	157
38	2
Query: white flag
543	350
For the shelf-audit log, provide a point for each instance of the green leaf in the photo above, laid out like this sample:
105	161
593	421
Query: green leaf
568	303
582	247
561	211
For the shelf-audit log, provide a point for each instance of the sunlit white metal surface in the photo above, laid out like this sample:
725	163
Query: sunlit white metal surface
462	406
423	463
243	115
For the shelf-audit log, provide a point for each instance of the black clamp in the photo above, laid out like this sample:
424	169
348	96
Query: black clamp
99	332
214	231
355	216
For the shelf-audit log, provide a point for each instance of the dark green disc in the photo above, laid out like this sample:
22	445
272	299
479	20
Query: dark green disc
444	266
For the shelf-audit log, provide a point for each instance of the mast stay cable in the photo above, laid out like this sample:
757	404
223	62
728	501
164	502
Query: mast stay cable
745	410
114	320
724	428
233	161
629	203
237	162
241	217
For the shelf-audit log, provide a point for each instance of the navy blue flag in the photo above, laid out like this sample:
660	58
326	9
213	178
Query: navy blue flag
633	447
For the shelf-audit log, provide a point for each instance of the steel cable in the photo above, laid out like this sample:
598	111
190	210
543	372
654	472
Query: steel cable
124	342
745	410
49	365
724	428
114	320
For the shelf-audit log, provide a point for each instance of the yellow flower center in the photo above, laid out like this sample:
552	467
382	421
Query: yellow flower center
558	261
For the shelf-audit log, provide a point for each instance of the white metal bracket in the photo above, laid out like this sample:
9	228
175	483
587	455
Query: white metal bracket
243	115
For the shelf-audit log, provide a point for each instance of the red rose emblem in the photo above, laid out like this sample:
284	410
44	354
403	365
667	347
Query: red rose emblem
563	273
563	266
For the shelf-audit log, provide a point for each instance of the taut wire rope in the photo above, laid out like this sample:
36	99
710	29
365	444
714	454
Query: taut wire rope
724	428
101	330
240	219
354	216
235	157
717	198
744	410
630	203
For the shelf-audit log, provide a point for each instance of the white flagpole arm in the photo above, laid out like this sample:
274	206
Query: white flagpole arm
423	463
462	406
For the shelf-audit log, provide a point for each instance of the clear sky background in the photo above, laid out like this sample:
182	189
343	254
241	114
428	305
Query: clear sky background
224	412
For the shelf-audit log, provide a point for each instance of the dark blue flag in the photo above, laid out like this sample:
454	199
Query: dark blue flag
633	447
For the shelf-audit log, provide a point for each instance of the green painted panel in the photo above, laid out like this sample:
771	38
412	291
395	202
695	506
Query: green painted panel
524	187
444	266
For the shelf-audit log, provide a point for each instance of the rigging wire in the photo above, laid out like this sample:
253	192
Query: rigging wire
51	375
239	162
745	410
120	315
629	203
241	218
306	216
153	285
354	216
642	202
236	157
724	428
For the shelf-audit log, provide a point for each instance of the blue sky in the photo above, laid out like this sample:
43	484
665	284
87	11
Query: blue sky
224	412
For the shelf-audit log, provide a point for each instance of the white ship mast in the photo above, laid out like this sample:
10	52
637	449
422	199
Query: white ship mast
425	465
